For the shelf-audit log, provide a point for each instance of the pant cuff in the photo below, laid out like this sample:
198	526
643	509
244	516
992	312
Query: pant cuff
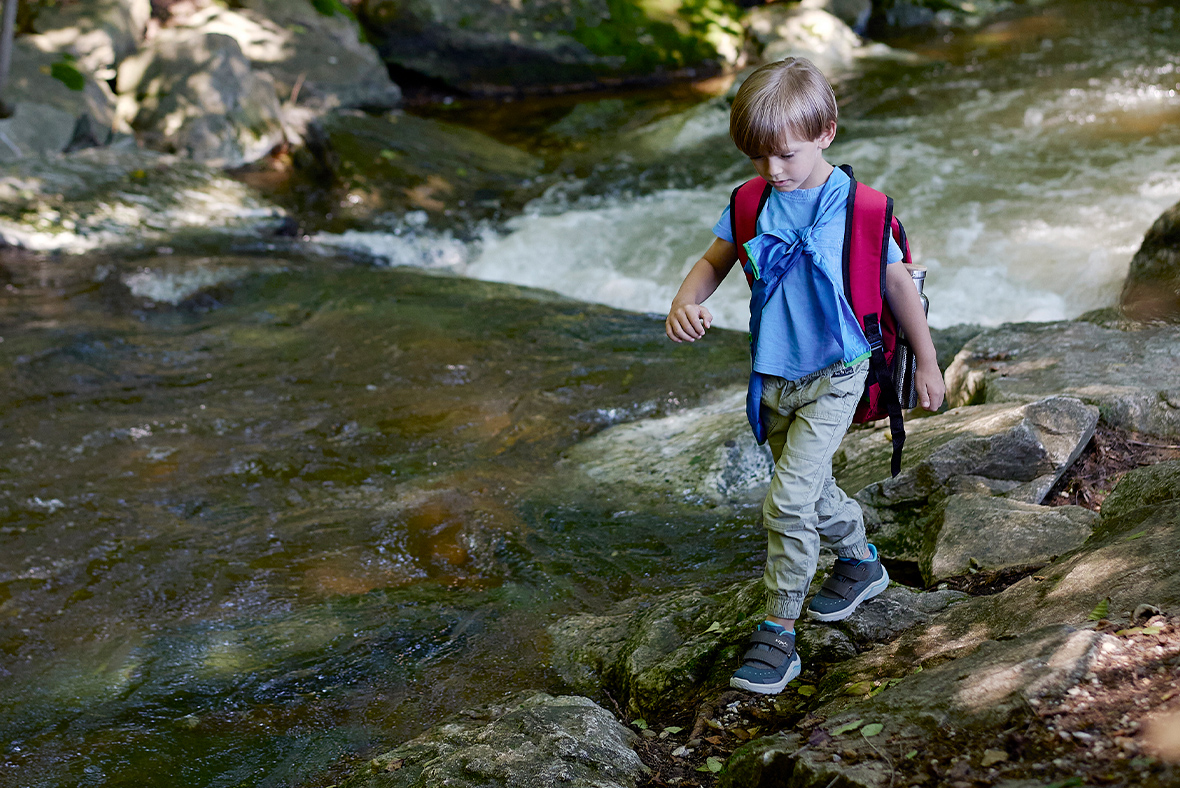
781	606
856	551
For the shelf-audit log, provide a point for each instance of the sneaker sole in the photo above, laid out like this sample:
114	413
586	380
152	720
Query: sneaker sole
868	593
770	689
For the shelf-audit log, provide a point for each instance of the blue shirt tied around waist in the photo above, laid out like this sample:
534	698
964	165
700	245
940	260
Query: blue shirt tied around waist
800	320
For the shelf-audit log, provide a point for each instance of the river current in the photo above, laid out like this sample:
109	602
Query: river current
261	515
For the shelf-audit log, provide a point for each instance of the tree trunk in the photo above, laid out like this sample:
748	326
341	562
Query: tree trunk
7	31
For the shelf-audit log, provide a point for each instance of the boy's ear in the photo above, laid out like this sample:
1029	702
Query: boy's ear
827	137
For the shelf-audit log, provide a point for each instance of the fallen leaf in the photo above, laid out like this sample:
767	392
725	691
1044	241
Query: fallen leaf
714	763
1131	631
640	724
872	729
673	729
714	627
807	690
818	737
1133	537
1101	610
859	688
717	740
909	755
846	727
1151	630
992	757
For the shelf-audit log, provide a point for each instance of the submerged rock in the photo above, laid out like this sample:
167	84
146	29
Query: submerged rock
542	742
1152	288
973	532
1131	376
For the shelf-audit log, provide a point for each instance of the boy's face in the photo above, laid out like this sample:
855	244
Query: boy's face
799	164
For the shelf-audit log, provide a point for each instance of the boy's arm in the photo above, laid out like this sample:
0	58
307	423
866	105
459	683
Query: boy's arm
687	319
907	308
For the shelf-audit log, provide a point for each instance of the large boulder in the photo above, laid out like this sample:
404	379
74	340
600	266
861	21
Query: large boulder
781	30
540	742
1152	288
195	93
98	34
973	532
486	46
1132	376
1015	451
323	55
56	104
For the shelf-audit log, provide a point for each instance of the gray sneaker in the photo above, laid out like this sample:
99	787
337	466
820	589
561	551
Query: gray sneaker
849	584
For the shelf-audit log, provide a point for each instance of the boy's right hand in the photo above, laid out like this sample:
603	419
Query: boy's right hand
687	322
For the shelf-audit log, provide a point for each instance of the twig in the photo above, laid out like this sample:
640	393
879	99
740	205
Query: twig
614	703
892	768
295	90
1153	445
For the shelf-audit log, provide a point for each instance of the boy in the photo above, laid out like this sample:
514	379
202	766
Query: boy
810	354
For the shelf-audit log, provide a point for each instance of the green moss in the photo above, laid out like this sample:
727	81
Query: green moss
644	43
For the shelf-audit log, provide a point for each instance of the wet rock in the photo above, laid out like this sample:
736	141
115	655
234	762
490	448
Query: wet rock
650	650
324	54
1018	452
1130	375
99	34
490	47
50	111
196	93
707	451
397	163
541	742
105	196
780	31
975	532
823	645
1152	288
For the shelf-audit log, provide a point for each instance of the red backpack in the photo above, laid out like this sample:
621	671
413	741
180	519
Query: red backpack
866	253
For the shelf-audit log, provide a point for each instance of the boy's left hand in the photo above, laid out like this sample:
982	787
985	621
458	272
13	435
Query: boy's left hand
931	388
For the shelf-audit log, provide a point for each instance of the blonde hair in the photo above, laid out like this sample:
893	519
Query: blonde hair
790	95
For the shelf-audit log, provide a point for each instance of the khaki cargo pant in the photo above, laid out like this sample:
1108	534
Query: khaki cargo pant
805	421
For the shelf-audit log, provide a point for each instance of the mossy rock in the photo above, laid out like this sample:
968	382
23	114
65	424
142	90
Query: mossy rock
1139	491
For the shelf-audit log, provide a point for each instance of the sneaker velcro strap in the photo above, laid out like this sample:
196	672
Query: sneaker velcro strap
838	585
855	572
780	648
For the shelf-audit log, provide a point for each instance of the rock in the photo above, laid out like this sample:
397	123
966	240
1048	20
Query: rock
542	742
398	163
648	651
967	696
895	610
854	13
1018	452
780	31
1130	375
102	197
823	645
195	93
99	34
707	452
484	46
1152	288
979	532
55	114
324	54
1143	488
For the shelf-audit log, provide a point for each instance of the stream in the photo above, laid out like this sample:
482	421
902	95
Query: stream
261	515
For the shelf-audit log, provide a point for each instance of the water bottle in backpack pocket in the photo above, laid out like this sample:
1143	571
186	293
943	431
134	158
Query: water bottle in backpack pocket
905	365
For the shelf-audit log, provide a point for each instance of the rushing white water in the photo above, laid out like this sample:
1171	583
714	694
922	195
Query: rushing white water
1026	174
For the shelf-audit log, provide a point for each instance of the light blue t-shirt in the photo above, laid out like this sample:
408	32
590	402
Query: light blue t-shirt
793	341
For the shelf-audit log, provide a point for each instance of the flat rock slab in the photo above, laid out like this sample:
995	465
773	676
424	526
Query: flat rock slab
707	452
1132	376
994	685
542	742
980	532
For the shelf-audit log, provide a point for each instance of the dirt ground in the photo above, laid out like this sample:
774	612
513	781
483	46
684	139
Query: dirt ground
1119	727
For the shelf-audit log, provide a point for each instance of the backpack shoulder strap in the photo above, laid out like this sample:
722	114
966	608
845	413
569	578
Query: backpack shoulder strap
745	205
